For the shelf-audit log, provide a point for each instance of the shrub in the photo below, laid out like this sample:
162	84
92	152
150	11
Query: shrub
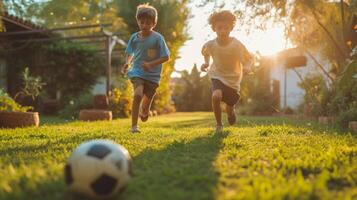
120	103
32	85
75	104
344	117
8	104
76	73
288	111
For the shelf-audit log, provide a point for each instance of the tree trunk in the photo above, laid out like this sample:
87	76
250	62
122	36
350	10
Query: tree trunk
339	49
319	65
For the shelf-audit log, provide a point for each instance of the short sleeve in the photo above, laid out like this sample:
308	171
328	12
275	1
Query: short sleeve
163	49
129	49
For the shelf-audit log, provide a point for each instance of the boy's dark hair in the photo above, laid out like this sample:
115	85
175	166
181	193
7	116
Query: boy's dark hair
145	11
224	15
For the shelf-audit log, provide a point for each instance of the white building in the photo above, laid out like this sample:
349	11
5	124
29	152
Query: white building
292	96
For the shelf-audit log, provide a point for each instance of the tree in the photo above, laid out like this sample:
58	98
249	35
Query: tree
58	14
1	11
192	92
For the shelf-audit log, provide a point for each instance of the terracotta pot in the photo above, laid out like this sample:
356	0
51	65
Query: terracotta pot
353	126
19	119
94	115
100	102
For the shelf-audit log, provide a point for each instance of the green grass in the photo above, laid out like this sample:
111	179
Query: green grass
178	157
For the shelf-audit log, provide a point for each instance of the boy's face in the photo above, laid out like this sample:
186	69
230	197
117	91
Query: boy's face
222	29
146	24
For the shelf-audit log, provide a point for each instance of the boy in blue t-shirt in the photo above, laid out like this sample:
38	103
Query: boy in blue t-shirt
146	51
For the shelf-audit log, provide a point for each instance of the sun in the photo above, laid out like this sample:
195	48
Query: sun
266	42
273	41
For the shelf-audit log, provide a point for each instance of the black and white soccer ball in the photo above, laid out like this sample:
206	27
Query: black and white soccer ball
98	169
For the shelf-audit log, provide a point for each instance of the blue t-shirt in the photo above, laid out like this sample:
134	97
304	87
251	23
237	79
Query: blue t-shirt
146	49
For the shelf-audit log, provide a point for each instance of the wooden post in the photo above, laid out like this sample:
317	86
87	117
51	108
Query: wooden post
285	87
109	65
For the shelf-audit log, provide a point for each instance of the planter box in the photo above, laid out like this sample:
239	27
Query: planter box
100	102
326	120
353	126
19	119
94	115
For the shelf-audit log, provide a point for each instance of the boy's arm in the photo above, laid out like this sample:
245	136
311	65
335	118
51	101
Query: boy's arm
206	57
149	65
128	59
247	60
164	54
205	65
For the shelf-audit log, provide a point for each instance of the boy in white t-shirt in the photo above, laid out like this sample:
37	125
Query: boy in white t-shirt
229	57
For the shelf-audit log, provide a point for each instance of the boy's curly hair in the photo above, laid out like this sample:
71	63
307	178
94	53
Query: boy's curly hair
224	15
145	11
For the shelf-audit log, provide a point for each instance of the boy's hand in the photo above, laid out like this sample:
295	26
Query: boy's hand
247	72
146	66
125	68
204	67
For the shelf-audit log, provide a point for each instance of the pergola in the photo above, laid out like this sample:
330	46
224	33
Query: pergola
105	37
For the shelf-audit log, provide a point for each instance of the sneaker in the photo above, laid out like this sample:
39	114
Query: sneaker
144	118
219	129
231	118
135	129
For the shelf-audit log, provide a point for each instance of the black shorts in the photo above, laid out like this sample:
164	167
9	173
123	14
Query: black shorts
230	96
149	87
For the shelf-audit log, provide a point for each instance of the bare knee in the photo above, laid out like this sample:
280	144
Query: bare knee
217	96
138	95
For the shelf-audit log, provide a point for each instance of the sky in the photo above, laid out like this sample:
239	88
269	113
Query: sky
266	42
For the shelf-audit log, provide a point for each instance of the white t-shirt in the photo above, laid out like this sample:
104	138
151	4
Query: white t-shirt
228	61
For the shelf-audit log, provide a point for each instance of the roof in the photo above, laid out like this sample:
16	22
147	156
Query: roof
6	17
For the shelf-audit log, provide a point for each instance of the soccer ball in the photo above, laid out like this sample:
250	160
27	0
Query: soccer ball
98	169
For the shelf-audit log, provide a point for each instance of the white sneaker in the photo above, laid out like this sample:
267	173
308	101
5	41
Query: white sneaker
135	129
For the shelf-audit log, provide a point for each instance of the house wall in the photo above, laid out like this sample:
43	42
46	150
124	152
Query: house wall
100	86
294	94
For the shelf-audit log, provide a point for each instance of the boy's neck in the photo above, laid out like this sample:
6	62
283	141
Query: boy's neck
145	33
224	40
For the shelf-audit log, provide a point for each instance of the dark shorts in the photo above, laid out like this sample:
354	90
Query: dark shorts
230	96
149	87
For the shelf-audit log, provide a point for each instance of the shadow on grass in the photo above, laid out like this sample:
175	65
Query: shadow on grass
28	153
186	123
49	189
180	171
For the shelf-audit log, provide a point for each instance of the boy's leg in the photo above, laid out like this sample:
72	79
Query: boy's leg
148	96
138	95
216	106
231	115
145	107
230	97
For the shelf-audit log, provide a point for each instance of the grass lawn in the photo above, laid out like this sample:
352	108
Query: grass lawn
177	156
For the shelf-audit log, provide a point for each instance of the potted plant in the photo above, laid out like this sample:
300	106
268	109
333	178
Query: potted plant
14	115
